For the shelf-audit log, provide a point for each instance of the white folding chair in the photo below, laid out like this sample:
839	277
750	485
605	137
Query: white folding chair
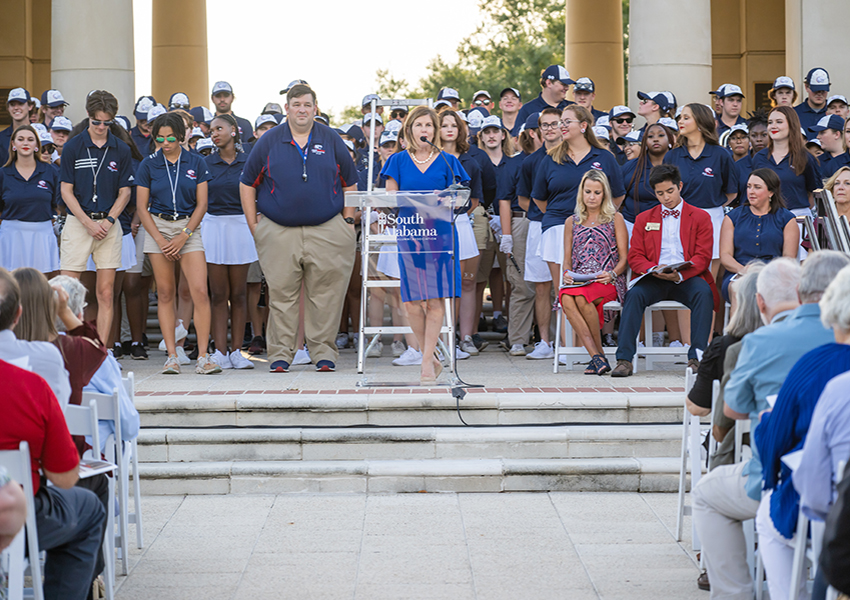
574	353
82	420
108	409
691	438
131	453
660	354
18	467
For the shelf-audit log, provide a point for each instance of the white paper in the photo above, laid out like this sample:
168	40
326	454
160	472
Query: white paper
771	400
792	460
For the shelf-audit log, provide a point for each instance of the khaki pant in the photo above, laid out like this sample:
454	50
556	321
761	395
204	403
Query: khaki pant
522	292
320	256
488	249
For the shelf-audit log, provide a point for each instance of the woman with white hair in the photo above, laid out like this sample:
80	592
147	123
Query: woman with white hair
784	428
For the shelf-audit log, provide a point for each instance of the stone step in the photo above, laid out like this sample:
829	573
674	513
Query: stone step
407	443
386	409
398	476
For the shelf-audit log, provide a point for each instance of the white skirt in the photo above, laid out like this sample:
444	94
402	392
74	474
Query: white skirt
717	213
28	244
388	258
536	269
467	246
228	240
802	253
139	242
552	245
128	254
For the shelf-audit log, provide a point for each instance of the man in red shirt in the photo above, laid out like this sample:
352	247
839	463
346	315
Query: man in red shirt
70	519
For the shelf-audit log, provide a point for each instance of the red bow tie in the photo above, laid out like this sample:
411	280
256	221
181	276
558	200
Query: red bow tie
670	213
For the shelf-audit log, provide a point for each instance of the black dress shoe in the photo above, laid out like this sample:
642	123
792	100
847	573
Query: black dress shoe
702	582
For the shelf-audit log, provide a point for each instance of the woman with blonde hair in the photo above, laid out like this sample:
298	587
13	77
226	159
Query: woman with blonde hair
596	245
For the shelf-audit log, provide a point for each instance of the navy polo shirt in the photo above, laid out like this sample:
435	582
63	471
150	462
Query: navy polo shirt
223	186
558	185
535	106
126	216
598	113
5	140
744	168
275	167
809	117
143	142
34	199
708	178
507	173
619	153
473	169
829	166
80	161
795	188
152	174
640	196
723	127
488	175
526	182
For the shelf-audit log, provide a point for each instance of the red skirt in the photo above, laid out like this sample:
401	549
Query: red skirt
592	293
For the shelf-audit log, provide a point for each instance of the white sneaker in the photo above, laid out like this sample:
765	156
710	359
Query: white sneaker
377	350
179	333
222	360
562	359
398	348
542	350
641	345
676	344
238	361
341	341
658	339
181	356
468	346
518	350
411	356
460	354
302	357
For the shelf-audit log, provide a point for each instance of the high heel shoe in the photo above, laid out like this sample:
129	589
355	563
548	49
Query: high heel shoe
429	380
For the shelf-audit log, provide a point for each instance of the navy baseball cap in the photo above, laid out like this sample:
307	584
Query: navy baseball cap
729	89
784	82
272	108
837	98
448	93
619	111
660	98
53	99
557	73
19	95
143	105
292	84
533	121
818	80
367	99
584	84
510	89
492	121
120	119
221	86
179	100
62	124
262	119
201	114
828	122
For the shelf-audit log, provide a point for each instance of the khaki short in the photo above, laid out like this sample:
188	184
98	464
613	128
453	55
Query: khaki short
255	273
169	229
77	245
481	228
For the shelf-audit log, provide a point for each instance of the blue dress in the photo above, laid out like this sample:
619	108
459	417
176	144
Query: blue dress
427	259
756	237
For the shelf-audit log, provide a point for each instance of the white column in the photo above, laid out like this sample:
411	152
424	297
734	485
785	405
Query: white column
92	48
815	36
670	49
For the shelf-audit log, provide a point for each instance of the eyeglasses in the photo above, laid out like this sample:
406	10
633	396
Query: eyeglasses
549	125
96	123
567	122
622	120
170	138
482	103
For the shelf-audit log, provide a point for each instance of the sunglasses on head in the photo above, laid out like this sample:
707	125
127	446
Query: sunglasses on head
170	138
622	120
97	123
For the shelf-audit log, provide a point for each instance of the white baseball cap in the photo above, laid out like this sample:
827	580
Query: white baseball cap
220	86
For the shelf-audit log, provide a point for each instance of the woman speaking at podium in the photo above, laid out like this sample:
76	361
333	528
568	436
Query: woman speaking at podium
428	272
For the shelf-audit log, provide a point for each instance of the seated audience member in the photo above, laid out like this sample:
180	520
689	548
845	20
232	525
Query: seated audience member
760	229
782	430
70	520
725	497
108	376
595	242
39	357
711	368
835	555
13	509
669	234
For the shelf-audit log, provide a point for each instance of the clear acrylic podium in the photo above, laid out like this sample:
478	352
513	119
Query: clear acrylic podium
407	240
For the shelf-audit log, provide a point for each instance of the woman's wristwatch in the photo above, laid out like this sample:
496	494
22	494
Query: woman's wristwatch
613	275
187	231
349	220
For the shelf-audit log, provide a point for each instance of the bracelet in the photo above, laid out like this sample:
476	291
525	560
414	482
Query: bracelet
187	231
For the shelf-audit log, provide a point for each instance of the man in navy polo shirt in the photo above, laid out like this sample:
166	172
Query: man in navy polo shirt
830	133
96	176
223	97
510	101
585	93
653	106
52	105
141	133
17	105
730	107
555	81
292	190
813	107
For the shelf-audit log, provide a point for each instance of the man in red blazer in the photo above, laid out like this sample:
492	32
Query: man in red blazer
672	233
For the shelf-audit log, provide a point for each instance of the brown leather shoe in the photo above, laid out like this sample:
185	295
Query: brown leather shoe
623	369
702	582
693	365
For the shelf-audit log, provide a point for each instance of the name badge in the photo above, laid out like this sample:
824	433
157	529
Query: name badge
653	226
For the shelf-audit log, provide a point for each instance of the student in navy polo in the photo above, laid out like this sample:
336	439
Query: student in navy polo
738	142
292	190
96	175
555	81
52	105
653	106
228	244
584	92
707	170
141	133
640	197
620	120
171	200
837	105
29	192
830	133
510	101
556	184
813	107
17	105
730	113
783	92
222	96
534	269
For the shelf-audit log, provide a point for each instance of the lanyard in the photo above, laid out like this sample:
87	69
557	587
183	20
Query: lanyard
95	173
303	154
173	184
